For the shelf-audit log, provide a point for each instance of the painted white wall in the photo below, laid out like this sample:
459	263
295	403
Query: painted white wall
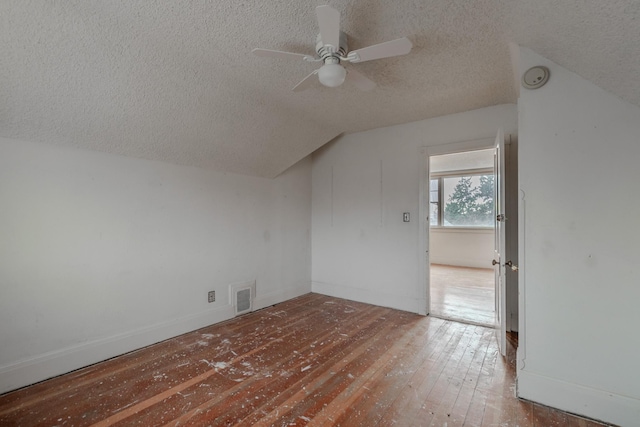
362	183
579	150
465	248
102	254
478	159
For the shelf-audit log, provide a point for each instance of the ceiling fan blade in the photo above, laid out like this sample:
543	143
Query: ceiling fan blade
278	54
329	23
395	47
359	80
306	83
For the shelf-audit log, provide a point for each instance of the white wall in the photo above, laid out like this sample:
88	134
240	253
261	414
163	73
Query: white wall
579	151
103	254
465	248
362	183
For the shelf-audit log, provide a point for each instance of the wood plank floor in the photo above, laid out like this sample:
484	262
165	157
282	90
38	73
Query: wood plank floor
463	293
313	360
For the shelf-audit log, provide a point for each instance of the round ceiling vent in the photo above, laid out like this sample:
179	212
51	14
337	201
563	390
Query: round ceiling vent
535	77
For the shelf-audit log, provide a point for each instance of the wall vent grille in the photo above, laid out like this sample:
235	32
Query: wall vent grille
243	300
242	296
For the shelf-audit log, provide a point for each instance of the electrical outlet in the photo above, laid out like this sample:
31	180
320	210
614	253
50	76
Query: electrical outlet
212	296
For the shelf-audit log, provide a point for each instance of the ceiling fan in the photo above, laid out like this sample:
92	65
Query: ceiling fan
332	51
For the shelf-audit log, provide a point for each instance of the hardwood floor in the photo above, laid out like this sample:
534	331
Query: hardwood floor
313	360
463	293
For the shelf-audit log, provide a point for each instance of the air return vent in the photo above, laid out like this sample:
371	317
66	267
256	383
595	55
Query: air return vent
242	296
243	300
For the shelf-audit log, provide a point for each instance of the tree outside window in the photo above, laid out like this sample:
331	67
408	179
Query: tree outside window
468	201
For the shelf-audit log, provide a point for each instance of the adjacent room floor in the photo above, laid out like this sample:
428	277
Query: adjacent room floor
312	360
463	293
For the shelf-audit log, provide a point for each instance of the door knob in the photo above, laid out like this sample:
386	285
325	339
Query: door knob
506	264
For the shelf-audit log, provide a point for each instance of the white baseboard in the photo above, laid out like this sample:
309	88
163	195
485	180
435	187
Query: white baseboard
58	362
277	297
472	263
577	399
51	364
400	302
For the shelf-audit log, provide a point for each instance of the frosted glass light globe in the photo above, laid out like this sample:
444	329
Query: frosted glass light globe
332	75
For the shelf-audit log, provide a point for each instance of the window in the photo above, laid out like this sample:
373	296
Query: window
434	202
462	200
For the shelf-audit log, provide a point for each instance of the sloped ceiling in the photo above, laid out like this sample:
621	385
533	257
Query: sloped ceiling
176	81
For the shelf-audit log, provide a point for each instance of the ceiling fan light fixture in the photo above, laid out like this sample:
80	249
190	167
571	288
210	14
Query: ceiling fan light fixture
332	75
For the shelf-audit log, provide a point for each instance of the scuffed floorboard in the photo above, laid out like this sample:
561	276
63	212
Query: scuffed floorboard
313	360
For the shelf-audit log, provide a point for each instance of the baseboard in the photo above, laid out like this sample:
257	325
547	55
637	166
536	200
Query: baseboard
481	263
399	302
54	363
580	400
282	295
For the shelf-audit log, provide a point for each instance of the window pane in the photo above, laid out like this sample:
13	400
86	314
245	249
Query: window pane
433	202
433	185
433	215
469	201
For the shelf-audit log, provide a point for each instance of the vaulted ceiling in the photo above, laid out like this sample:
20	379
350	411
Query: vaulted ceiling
176	81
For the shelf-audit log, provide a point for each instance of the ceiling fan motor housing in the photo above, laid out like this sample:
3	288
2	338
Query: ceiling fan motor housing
324	53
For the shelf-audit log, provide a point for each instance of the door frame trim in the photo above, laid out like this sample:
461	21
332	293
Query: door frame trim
423	245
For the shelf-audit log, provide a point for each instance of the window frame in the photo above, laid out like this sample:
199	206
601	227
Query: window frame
450	174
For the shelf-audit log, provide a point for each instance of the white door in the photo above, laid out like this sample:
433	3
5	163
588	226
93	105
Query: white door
499	252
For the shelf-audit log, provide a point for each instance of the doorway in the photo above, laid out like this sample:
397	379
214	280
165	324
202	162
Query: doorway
504	259
462	236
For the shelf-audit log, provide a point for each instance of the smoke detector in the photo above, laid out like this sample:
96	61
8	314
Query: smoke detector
535	77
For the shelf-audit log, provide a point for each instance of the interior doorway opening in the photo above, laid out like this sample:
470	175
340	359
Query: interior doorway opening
462	236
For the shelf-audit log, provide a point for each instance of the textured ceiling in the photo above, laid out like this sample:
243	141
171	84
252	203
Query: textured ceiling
176	81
